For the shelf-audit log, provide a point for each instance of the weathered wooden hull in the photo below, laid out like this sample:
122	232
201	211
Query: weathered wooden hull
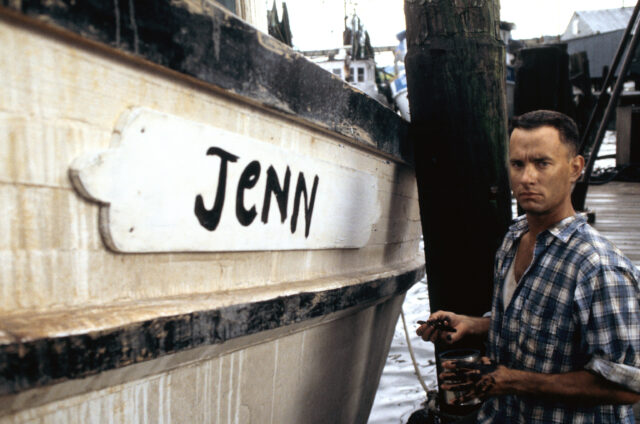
89	334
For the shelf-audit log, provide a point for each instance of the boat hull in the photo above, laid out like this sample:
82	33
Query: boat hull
90	333
321	371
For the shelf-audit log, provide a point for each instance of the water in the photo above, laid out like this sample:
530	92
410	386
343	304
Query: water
400	393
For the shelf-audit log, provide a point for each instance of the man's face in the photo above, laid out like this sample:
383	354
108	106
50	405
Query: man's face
542	170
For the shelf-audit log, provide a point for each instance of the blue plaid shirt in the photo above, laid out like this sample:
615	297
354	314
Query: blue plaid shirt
577	307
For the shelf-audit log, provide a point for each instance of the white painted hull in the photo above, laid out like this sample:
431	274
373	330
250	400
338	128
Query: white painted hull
60	283
320	372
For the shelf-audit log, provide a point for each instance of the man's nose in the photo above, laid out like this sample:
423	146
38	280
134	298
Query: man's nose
529	174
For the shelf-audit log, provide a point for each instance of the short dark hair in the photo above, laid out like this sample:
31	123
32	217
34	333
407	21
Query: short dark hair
566	126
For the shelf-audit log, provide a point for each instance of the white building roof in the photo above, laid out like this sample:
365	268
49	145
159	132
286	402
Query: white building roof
590	22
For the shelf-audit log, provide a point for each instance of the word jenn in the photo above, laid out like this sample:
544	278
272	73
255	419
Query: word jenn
210	218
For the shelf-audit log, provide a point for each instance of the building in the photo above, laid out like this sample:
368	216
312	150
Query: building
593	22
598	33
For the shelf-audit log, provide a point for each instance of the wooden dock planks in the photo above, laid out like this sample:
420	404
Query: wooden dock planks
617	208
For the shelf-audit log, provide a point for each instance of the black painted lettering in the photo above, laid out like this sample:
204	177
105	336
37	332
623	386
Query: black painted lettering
281	193
248	180
301	188
210	218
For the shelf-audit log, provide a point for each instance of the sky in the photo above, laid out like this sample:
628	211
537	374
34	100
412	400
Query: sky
318	24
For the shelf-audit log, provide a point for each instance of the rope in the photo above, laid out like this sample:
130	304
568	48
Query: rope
413	357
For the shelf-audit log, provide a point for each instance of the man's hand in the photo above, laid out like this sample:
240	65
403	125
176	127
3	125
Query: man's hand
485	379
450	328
475	380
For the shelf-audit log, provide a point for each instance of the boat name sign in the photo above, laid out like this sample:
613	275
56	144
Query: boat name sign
167	184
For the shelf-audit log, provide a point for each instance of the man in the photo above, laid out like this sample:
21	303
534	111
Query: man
564	329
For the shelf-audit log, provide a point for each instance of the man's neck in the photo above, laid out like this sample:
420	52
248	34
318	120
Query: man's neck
538	223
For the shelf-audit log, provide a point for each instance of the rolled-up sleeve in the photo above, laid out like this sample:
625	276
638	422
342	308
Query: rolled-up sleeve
609	307
624	375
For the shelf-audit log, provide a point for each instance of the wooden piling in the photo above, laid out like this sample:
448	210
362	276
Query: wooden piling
542	80
456	80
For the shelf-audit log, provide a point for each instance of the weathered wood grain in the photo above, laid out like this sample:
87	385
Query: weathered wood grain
456	81
88	333
273	382
45	348
617	208
61	100
215	47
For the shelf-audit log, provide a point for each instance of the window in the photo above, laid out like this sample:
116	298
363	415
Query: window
350	78
229	4
360	74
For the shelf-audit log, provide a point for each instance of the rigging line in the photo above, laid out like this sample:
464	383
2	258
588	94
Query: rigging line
413	357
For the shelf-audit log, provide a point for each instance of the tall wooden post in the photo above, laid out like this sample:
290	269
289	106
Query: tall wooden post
542	80
456	79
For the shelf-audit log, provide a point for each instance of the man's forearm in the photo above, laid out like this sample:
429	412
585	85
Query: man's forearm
580	387
479	326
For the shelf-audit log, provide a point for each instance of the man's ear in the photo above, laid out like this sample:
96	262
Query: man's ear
577	165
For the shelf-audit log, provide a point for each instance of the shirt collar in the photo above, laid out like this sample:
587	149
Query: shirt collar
518	228
562	230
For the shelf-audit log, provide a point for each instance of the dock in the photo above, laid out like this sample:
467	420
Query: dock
617	208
